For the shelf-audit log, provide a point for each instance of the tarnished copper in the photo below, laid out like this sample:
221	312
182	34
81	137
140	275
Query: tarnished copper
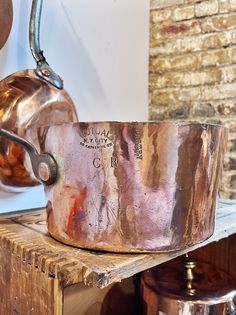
6	18
27	102
133	187
168	289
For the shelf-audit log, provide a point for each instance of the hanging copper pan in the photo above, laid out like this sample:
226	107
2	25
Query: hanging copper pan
130	186
6	18
30	97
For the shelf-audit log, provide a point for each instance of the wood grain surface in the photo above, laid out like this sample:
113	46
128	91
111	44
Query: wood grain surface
25	289
25	235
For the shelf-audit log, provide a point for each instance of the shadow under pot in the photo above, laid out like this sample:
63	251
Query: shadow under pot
182	287
130	186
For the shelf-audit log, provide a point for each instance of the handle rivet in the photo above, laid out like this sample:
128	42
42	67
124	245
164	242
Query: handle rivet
45	72
44	171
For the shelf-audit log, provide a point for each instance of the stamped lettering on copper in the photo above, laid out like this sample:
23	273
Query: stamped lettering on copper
99	162
138	150
96	138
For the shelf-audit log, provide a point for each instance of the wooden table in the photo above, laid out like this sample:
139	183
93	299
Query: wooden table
38	271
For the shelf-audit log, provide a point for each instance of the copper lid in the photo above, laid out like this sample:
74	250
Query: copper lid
189	280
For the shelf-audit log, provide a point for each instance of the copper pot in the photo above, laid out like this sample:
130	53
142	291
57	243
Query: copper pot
30	98
131	186
6	18
182	287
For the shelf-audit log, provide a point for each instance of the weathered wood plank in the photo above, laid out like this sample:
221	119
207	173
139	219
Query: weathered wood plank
27	237
24	289
81	299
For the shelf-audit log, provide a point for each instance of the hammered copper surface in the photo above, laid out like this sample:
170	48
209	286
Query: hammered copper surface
134	186
6	17
27	102
165	290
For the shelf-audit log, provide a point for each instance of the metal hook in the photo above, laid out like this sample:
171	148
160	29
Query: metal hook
43	69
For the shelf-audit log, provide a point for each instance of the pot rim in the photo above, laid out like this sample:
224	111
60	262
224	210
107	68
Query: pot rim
152	122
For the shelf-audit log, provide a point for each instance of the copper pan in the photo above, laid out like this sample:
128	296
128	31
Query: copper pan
6	17
181	287
130	186
30	97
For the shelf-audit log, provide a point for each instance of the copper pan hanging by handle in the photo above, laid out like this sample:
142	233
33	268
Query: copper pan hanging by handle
44	165
30	99
6	18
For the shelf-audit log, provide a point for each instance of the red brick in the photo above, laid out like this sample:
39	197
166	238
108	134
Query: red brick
229	181
227	6
200	109
229	74
189	44
164	31
228	194
183	13
171	79
158	16
206	8
215	57
193	1
230	162
173	95
173	14
218	92
158	4
225	108
232	143
218	23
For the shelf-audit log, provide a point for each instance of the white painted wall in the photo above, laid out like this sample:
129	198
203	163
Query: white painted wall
100	48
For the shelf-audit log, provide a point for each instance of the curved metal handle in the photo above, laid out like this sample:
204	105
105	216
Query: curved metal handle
44	165
43	69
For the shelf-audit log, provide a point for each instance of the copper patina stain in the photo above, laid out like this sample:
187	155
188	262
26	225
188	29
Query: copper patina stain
76	213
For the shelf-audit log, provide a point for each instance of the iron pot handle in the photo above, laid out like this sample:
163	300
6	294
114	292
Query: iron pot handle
44	165
43	69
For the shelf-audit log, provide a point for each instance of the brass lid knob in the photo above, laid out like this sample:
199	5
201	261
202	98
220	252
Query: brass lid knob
189	276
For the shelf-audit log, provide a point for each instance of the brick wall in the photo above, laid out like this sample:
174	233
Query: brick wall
193	67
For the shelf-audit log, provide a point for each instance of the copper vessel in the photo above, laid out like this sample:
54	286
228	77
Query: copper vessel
29	98
6	18
130	186
181	287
